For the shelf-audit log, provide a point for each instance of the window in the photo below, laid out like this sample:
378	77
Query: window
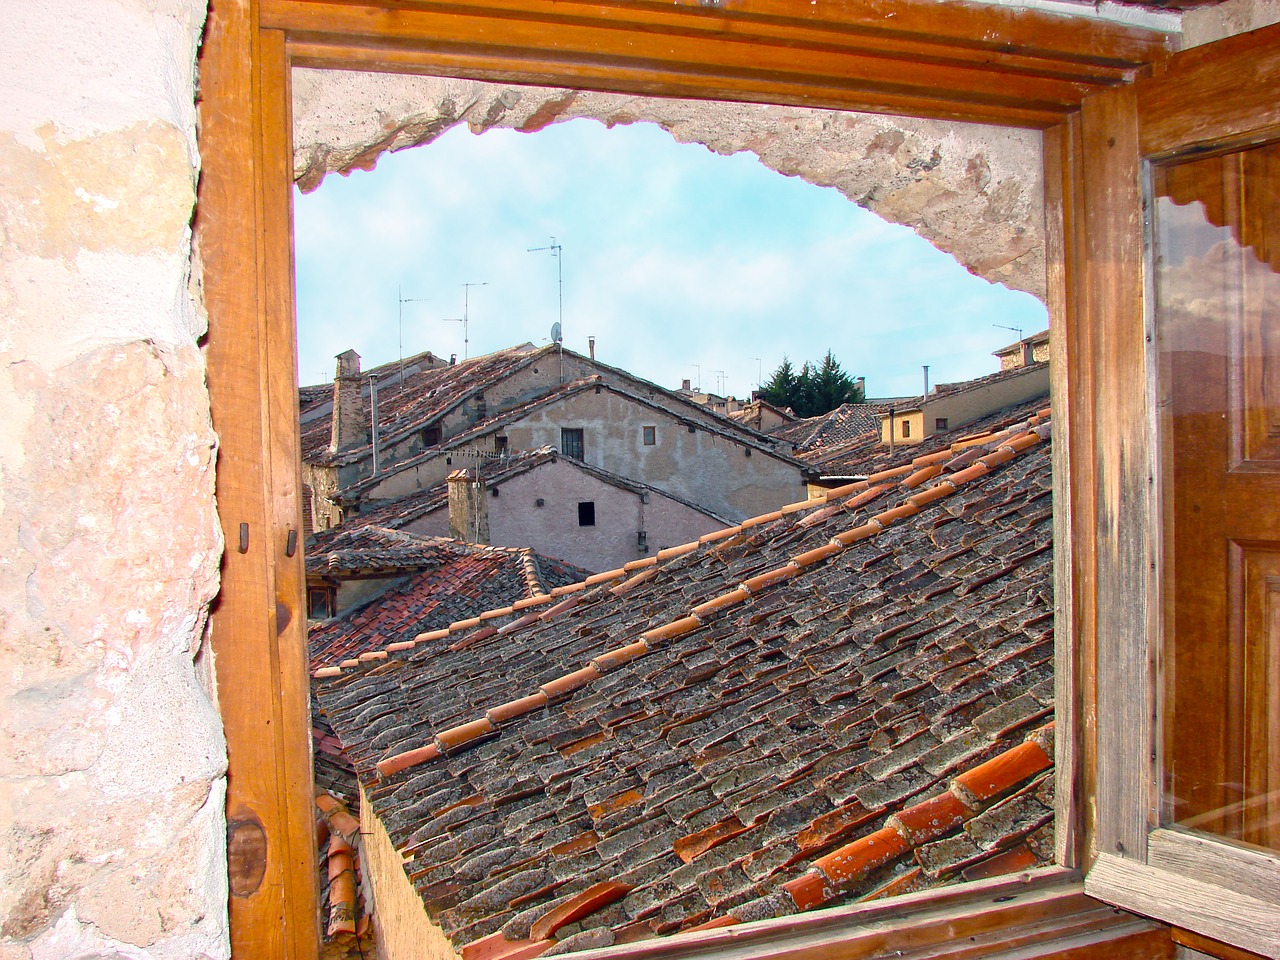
1186	622
1217	311
320	602
571	442
587	513
650	436
906	429
500	445
940	424
244	163
431	435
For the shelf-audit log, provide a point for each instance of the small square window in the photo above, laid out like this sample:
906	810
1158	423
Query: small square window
320	602
587	513
571	443
940	423
650	436
500	445
431	435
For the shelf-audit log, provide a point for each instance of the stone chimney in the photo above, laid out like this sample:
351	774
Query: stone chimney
468	508
350	417
684	385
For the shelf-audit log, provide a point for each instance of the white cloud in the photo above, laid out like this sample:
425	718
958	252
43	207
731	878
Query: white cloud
673	257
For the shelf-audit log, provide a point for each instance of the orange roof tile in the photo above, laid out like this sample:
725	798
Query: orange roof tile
871	662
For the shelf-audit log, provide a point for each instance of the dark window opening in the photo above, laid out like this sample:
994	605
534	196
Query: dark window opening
587	513
650	436
500	444
940	423
320	603
906	428
431	435
571	443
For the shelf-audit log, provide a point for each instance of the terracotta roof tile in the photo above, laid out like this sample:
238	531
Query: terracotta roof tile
838	700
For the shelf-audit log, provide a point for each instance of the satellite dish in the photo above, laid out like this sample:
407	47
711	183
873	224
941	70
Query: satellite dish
555	332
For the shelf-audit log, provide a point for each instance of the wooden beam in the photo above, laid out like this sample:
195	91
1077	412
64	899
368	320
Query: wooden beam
242	238
1074	580
1212	94
1040	914
979	62
1119	478
1214	948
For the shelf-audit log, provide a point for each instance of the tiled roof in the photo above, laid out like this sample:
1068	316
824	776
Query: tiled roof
722	427
840	425
427	395
367	546
964	386
463	580
864	454
494	472
844	699
422	398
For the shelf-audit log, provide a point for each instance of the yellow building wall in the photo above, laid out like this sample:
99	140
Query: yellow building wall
404	930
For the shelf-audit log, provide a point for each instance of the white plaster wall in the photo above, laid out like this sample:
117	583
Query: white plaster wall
112	759
1227	19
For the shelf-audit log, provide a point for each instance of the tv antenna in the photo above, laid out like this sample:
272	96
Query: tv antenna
759	372
720	377
466	314
400	324
557	251
1017	330
555	333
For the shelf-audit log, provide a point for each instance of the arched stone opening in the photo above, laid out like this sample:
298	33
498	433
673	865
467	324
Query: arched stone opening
973	191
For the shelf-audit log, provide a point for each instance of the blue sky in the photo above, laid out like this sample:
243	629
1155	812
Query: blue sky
680	263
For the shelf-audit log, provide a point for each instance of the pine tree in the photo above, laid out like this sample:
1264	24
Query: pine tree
814	390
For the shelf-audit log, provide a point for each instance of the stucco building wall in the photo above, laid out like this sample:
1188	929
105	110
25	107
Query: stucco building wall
515	519
112	759
713	471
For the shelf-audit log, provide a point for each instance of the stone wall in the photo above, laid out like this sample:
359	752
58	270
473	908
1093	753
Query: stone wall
111	753
974	191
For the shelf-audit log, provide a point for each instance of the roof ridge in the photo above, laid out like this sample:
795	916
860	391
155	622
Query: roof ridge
850	496
457	738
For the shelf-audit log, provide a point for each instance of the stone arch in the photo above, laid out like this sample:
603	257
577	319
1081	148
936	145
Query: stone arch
973	191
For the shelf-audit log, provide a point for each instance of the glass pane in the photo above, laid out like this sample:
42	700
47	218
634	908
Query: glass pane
1217	301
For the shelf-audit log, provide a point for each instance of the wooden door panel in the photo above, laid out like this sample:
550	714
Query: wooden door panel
1218	325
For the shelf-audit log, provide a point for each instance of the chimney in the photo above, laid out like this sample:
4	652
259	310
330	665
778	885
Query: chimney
926	381
468	508
684	384
349	416
591	347
1028	353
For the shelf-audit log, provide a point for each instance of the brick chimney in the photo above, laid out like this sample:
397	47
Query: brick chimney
468	508
350	416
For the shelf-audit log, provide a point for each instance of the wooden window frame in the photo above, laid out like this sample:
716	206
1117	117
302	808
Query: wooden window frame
978	63
1204	99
